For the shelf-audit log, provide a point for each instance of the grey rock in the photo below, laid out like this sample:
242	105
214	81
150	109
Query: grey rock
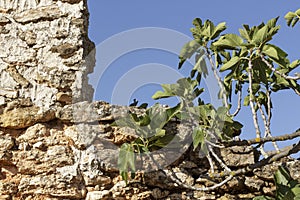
83	135
159	194
65	50
6	142
254	183
238	156
97	195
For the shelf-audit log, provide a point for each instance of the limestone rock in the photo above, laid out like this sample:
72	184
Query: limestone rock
2	101
267	172
293	167
159	194
5	197
86	112
16	76
185	178
33	134
94	111
100	180
65	50
64	97
8	93
25	117
29	37
53	184
254	183
8	188
83	135
6	142
238	156
4	20
42	13
44	161
97	195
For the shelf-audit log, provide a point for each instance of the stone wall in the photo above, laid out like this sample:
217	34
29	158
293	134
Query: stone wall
44	54
56	144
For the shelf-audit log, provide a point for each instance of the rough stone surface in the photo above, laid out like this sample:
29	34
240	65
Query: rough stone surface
41	13
25	117
49	52
55	144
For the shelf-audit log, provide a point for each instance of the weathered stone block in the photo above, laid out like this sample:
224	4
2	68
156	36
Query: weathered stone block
25	117
42	13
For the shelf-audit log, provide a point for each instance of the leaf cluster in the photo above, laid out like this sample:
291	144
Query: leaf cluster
248	60
150	132
292	18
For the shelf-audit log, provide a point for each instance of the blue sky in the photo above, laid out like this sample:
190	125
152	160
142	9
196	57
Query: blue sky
112	21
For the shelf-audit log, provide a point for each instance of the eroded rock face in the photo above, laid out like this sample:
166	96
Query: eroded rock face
60	159
46	55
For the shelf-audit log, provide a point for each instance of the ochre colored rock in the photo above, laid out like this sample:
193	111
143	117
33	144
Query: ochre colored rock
24	117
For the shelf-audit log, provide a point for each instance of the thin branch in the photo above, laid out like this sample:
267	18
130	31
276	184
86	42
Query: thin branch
170	174
296	91
204	189
254	114
220	82
218	159
214	145
273	152
239	104
292	150
211	164
269	113
262	140
267	126
277	72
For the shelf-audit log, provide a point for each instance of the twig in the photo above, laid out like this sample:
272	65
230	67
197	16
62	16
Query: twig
170	174
214	145
239	104
277	72
231	174
220	82
292	150
262	140
211	164
271	153
267	126
254	114
289	151
218	159
269	106
296	91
